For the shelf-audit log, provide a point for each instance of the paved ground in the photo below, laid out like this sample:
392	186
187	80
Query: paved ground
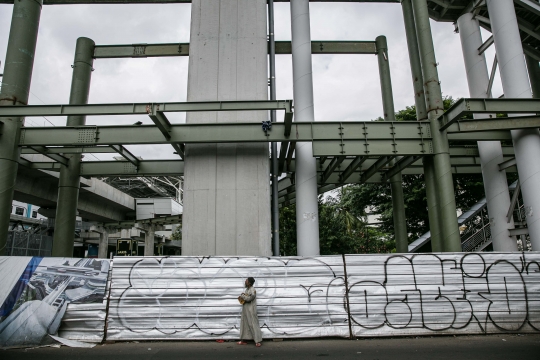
491	347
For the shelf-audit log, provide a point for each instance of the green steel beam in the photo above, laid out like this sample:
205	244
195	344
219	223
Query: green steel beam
182	49
336	161
122	151
351	168
512	123
331	47
176	168
467	107
56	157
382	161
73	150
399	166
283	156
143	108
357	138
494	135
290	153
125	168
140	50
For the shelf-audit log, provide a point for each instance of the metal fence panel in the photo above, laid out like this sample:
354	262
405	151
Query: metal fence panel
452	293
196	298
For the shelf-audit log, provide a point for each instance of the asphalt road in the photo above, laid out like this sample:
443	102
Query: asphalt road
490	347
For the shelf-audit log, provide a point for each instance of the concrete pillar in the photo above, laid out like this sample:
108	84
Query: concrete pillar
275	165
103	250
396	182
69	181
533	68
435	108
491	155
15	89
149	236
307	206
227	192
421	115
516	85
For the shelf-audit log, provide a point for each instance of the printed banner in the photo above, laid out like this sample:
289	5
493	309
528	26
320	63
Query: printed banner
43	294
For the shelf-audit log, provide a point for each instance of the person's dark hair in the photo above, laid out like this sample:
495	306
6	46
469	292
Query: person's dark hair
251	280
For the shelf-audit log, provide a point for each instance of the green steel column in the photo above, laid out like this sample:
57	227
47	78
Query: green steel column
386	80
534	75
69	182
15	89
396	182
421	115
435	108
433	213
398	212
414	58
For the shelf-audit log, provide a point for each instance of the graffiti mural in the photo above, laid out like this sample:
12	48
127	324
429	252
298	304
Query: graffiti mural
196	298
448	293
383	295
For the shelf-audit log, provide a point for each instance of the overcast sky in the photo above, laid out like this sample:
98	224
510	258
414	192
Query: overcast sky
346	86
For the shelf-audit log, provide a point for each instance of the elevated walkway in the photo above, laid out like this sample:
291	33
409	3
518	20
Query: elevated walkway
98	201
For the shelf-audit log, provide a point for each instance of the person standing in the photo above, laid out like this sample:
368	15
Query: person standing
249	322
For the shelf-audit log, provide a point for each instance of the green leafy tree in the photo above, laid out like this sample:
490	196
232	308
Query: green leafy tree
177	233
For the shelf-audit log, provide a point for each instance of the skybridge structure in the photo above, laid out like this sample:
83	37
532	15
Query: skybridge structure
480	134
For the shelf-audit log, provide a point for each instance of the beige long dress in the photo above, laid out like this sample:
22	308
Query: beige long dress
249	323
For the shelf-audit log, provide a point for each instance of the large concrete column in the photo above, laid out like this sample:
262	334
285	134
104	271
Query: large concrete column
396	182
435	108
421	115
307	210
533	68
15	89
69	181
491	155
515	83
227	189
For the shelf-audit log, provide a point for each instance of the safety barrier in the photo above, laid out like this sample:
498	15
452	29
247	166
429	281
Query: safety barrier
175	298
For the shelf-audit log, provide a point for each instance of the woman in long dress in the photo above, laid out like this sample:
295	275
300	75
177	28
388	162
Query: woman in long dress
249	323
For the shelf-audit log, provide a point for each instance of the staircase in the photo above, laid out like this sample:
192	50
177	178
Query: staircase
475	231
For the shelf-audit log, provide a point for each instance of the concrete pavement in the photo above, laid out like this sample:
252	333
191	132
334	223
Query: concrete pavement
492	347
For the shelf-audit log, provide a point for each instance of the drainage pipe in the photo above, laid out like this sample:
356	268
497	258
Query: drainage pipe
274	159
